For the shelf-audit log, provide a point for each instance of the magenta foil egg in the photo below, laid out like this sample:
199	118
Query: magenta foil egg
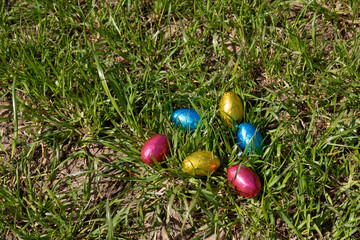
246	182
156	146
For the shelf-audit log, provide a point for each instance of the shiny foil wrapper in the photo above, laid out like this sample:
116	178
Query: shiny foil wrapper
244	181
186	119
201	163
249	139
231	109
156	146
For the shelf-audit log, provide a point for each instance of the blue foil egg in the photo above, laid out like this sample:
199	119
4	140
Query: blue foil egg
250	139
186	119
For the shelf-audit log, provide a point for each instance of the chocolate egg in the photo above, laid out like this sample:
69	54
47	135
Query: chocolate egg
156	146
250	139
201	163
231	108
186	119
245	182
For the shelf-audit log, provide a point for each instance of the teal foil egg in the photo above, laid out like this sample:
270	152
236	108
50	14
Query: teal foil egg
249	139
186	119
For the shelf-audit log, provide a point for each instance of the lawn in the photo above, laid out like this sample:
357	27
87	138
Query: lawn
83	85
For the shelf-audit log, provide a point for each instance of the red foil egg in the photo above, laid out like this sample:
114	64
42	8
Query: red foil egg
156	146
246	182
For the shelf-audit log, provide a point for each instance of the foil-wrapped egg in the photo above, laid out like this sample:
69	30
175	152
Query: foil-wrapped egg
244	181
231	108
156	146
186	119
250	139
201	163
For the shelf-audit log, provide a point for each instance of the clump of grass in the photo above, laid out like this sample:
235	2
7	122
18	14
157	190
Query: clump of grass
84	84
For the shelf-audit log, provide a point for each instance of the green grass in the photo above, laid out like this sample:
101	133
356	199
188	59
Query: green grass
84	84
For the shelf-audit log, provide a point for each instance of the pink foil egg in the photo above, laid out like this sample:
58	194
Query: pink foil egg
246	183
156	146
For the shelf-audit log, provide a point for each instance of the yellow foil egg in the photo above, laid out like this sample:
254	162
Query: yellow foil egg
231	108
201	163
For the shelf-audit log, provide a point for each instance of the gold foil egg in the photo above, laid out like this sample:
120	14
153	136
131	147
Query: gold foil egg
231	108
201	163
